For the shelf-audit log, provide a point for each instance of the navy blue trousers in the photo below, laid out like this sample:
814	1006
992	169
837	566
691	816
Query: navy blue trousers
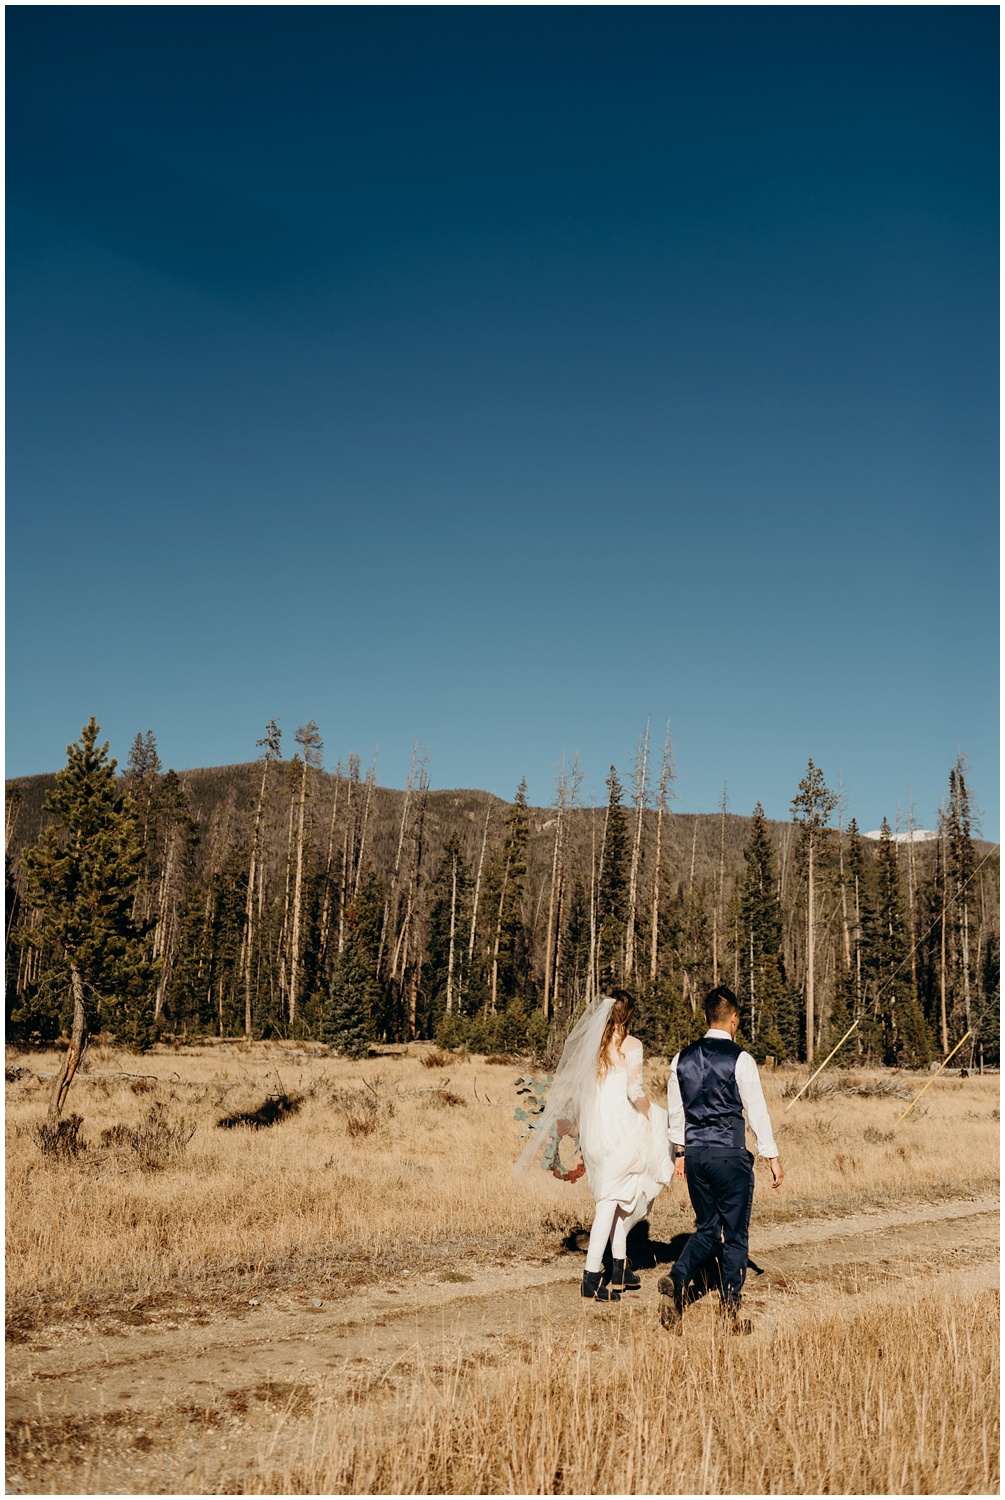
721	1188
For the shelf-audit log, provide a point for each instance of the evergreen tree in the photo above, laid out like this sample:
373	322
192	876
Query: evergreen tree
356	1011
612	887
811	808
576	948
509	967
961	864
848	1004
771	1021
988	1025
906	1040
446	949
81	877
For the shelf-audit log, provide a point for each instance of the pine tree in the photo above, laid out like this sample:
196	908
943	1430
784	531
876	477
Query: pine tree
906	1040
577	946
770	1020
309	740
509	966
271	748
811	809
355	1011
82	876
612	887
962	862
446	955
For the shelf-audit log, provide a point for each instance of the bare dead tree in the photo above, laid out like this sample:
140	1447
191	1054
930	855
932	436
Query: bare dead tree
391	898
665	792
368	786
640	796
718	912
478	888
556	855
348	840
309	740
271	751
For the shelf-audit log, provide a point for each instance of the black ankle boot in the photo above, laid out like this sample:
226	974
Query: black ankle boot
623	1277
591	1288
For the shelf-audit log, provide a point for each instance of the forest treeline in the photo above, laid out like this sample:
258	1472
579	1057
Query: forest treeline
278	898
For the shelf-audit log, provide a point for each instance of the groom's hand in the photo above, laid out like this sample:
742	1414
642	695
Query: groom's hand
776	1171
678	1169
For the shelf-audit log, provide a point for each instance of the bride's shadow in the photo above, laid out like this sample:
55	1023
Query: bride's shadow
647	1254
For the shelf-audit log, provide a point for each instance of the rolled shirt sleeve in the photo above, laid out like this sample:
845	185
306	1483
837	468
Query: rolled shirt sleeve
675	1107
748	1082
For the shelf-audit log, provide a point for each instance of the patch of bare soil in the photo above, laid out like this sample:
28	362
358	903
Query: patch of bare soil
172	1400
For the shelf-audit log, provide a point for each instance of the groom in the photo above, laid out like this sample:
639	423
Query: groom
712	1084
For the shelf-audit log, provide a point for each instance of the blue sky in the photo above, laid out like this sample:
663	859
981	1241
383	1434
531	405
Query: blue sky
498	377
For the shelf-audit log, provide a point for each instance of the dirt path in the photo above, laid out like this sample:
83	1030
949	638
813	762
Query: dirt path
159	1406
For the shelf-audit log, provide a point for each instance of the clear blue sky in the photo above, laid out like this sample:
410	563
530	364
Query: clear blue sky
497	377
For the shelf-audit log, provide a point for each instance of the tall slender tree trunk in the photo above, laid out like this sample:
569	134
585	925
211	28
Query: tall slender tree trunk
809	956
347	839
453	935
845	932
249	909
666	775
75	1051
858	951
326	899
552	895
641	779
593	984
498	937
298	897
368	786
943	1019
392	895
477	895
163	933
718	913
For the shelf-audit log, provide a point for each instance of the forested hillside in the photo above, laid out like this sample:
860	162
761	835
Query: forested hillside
279	898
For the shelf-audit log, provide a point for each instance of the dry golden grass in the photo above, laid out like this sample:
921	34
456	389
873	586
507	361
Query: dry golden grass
899	1399
384	1161
392	1163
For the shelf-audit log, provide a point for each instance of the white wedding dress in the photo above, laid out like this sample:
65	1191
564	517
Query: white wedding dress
627	1156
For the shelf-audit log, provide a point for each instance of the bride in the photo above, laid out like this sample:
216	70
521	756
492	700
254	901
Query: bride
623	1137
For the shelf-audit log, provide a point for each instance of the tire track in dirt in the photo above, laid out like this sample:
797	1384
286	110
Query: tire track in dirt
168	1401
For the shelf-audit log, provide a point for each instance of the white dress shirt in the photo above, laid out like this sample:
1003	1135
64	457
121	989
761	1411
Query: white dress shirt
748	1083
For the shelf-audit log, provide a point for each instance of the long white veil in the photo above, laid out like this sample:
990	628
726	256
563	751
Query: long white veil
574	1090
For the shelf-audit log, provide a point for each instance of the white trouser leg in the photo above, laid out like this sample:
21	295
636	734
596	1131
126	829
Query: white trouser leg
622	1224
600	1233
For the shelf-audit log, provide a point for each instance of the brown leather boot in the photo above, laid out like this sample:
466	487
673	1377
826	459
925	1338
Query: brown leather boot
673	1300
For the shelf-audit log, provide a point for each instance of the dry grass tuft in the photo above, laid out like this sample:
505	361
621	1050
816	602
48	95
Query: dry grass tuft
157	1142
277	1107
830	1085
437	1059
445	1099
62	1141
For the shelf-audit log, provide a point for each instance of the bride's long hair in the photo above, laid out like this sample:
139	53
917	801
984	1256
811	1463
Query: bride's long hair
618	1026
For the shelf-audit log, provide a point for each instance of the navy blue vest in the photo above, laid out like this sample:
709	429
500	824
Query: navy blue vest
713	1110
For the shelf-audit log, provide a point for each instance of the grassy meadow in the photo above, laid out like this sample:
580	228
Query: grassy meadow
380	1169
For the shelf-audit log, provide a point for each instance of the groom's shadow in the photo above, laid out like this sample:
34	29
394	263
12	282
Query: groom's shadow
647	1254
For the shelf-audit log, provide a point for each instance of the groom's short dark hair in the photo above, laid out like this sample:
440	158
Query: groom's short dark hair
720	1004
